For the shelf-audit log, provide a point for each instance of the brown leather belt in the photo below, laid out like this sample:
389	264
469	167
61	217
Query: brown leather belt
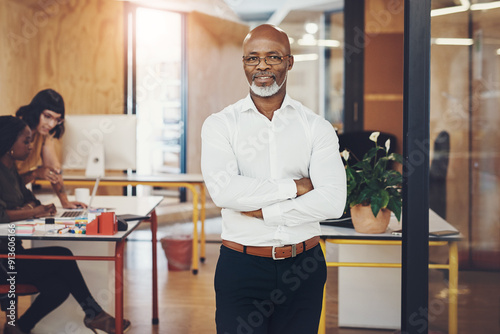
275	252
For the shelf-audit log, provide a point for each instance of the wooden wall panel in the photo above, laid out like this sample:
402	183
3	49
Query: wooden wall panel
384	16
214	56
383	86
82	56
18	51
75	47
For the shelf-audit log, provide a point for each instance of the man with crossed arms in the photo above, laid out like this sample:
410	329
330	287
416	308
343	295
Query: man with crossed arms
274	168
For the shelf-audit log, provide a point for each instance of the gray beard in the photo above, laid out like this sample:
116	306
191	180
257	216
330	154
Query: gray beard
267	91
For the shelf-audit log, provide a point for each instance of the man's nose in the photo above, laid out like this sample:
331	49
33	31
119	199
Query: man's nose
262	64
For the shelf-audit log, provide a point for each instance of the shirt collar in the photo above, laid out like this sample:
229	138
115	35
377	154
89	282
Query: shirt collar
249	105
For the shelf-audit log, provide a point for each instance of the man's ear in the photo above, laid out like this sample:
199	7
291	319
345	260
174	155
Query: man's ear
290	62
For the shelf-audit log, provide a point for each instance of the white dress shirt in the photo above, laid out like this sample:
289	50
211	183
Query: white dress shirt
249	162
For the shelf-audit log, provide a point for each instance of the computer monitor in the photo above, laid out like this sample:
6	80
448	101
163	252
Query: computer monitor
99	142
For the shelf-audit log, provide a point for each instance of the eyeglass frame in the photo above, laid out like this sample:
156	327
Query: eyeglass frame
49	118
265	59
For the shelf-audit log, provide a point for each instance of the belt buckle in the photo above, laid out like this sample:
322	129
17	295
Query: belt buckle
294	252
274	254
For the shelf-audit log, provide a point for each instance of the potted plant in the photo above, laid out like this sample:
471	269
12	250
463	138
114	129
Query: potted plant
373	188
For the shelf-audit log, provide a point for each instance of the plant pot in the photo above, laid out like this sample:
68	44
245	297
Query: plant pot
365	222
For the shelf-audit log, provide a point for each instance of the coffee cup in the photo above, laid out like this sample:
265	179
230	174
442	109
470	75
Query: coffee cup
82	195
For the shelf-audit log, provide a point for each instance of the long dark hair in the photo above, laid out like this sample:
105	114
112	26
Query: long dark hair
47	99
10	128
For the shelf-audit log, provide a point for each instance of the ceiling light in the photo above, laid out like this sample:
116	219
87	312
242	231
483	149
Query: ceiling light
311	28
330	43
452	41
498	52
485	6
306	57
307	39
464	6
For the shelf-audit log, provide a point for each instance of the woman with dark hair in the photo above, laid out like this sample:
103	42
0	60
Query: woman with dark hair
45	117
54	279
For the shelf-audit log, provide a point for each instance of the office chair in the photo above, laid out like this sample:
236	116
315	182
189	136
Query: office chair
21	290
437	174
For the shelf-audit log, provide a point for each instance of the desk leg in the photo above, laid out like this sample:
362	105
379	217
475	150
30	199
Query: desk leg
322	319
195	231
453	289
202	218
154	241
119	286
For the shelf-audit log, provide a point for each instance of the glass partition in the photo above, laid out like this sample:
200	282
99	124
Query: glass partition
464	173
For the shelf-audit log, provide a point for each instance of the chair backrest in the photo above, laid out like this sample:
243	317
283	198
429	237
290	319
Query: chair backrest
437	174
21	290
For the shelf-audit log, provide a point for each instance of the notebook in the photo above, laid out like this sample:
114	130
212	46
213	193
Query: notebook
338	222
71	214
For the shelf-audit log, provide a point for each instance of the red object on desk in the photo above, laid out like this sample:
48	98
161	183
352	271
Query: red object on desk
107	223
92	228
104	224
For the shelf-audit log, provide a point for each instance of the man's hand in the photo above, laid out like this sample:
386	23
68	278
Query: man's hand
304	185
254	214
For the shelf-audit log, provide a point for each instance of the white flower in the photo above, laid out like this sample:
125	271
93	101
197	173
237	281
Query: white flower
345	155
374	136
387	145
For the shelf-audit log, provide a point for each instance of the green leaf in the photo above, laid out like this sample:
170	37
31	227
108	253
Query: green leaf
396	157
375	205
370	182
393	178
395	206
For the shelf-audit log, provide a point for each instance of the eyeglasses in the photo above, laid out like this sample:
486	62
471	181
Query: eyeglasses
52	119
270	60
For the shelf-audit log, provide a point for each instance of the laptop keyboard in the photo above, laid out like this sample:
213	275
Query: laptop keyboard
70	214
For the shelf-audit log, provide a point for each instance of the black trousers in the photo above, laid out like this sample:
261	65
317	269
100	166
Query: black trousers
257	295
56	280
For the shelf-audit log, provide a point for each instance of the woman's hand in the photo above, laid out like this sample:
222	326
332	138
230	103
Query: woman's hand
73	205
48	173
44	210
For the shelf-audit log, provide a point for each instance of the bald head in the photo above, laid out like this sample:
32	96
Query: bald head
269	33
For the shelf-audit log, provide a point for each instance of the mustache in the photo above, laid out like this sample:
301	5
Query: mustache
263	74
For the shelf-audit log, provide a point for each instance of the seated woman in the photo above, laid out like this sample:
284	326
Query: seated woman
55	279
45	117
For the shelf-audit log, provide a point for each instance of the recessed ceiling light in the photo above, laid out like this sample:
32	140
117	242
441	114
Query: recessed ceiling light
464	6
452	41
306	57
485	6
311	27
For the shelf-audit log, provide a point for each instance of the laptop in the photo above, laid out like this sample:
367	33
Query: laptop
71	214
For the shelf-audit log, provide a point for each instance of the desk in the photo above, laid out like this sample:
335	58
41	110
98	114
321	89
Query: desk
346	236
189	181
123	205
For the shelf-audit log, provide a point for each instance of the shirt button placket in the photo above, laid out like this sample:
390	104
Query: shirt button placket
273	151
